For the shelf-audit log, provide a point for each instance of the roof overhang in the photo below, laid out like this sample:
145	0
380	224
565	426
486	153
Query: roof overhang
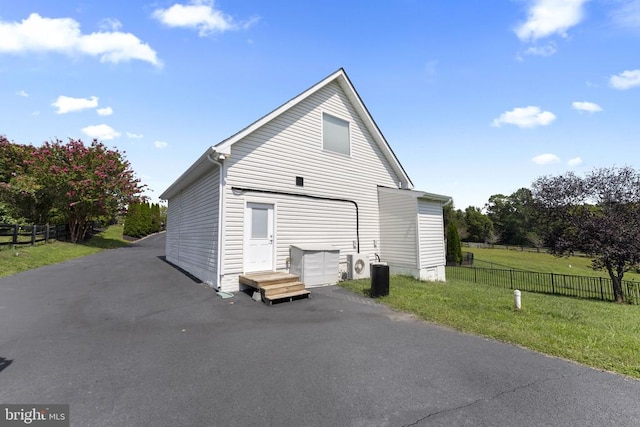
197	169
432	197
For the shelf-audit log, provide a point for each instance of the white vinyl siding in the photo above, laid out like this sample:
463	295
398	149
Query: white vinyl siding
411	234
174	218
335	134
398	230
431	232
271	157
192	228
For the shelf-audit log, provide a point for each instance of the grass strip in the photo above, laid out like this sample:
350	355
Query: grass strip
603	335
25	257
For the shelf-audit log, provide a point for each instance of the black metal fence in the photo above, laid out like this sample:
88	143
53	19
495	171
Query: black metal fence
599	288
11	234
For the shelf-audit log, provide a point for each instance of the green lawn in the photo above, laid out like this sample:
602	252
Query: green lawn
25	257
540	262
603	335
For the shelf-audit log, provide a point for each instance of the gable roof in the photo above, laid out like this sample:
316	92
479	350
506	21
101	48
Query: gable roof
223	148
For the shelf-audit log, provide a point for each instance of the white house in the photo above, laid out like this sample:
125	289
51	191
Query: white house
315	171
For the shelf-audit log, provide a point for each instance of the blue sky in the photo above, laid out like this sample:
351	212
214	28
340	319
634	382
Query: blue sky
475	98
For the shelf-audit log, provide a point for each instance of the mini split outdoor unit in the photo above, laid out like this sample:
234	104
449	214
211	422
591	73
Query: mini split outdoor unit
357	266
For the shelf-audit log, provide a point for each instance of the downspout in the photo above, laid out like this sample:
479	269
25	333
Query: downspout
219	256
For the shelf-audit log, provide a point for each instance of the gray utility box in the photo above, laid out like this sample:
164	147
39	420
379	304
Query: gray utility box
316	265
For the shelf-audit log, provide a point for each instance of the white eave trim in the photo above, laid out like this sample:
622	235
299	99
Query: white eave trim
195	171
433	197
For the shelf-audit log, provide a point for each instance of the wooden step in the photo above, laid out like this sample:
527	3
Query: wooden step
289	295
281	288
258	280
274	285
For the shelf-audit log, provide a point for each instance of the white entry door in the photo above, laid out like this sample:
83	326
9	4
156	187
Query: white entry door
258	237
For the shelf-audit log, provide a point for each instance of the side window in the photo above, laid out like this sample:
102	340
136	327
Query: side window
335	135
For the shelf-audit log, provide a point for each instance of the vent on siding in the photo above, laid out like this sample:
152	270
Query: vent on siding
299	181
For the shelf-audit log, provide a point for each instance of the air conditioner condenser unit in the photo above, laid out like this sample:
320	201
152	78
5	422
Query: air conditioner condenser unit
357	266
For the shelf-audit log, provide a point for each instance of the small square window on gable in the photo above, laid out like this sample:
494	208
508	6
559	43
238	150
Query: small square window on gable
335	134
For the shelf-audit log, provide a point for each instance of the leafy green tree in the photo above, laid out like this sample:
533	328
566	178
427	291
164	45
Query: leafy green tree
598	214
20	194
142	219
147	219
479	226
163	217
12	157
513	216
156	219
132	220
454	248
450	214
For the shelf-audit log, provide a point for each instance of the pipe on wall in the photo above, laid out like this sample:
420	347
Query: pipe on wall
309	196
220	217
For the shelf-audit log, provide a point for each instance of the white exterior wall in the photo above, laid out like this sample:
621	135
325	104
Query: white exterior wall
431	231
290	145
398	229
192	228
174	217
431	240
412	235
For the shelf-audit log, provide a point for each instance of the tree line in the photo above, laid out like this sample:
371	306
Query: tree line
143	218
597	214
505	220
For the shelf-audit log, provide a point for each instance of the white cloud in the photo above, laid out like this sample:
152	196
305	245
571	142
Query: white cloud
106	111
525	117
160	144
110	24
625	80
66	104
201	15
589	107
549	17
102	132
134	135
63	35
576	161
22	93
627	14
545	159
548	50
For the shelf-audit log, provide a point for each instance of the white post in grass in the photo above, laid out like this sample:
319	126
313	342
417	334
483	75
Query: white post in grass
517	300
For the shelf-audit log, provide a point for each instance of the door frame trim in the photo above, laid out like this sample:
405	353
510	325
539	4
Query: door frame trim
245	239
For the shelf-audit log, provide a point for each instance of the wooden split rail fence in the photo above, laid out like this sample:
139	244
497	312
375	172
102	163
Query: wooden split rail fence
11	234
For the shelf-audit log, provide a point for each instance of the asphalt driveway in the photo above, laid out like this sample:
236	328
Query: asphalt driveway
127	340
